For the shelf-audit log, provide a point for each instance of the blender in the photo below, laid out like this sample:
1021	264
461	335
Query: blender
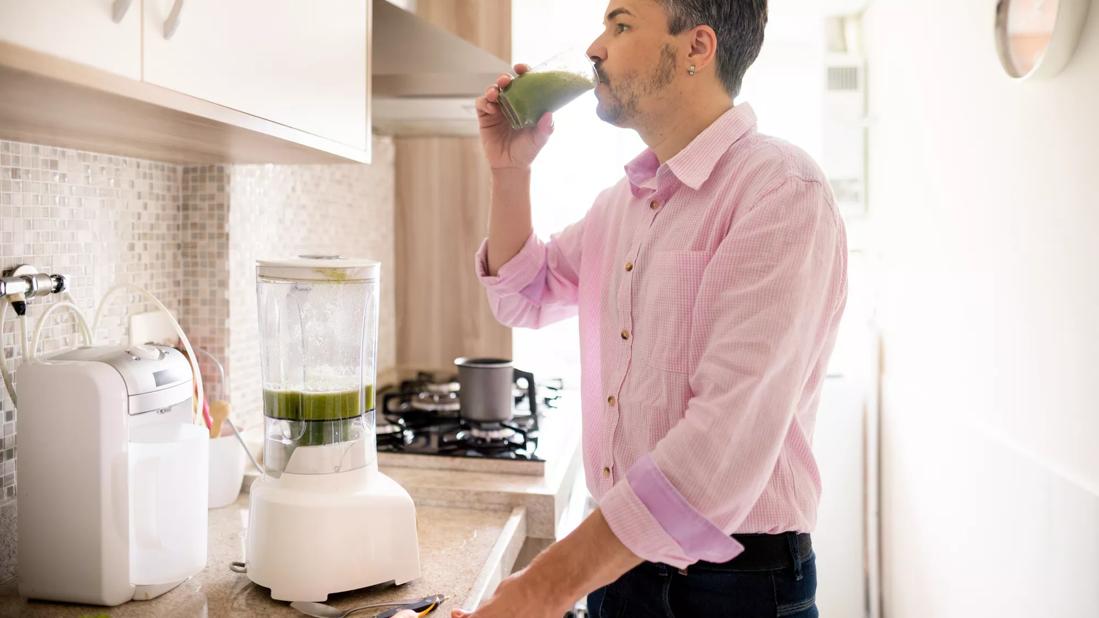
322	518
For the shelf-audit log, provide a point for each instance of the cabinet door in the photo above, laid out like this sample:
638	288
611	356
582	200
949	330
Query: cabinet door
302	64
78	30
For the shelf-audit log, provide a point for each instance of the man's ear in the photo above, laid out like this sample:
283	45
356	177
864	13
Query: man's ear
703	46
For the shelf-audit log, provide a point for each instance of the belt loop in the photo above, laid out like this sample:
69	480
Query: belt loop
795	553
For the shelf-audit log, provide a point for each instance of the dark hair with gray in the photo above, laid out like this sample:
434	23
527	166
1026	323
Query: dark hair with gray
739	25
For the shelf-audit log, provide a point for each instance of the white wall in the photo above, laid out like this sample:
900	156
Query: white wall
983	201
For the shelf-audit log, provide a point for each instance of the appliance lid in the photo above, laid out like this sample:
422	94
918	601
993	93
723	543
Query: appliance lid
144	368
413	58
331	268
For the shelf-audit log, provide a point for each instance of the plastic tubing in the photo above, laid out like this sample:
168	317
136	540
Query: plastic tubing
31	351
37	338
22	341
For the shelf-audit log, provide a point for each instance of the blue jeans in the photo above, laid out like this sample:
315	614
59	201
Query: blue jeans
659	591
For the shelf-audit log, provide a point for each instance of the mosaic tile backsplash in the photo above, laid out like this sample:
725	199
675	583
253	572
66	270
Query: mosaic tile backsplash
280	211
100	219
238	214
190	235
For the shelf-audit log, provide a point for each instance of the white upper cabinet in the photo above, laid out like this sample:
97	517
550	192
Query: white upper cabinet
82	31
301	64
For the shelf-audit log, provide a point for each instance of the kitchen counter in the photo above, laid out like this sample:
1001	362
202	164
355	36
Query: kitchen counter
490	483
464	553
474	527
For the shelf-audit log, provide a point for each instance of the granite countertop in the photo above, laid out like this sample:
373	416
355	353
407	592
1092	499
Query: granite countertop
472	525
464	553
491	483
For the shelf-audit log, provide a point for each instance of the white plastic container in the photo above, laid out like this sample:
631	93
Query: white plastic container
227	464
112	475
167	506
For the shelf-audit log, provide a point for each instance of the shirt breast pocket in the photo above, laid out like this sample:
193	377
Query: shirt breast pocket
667	302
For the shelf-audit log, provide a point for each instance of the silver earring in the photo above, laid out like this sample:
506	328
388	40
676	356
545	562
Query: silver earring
691	70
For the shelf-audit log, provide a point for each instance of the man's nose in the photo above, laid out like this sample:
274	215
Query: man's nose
597	51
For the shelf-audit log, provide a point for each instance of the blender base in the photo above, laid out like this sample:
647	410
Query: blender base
314	535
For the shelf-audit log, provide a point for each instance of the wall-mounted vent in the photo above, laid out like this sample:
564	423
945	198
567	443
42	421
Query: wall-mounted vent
845	131
843	79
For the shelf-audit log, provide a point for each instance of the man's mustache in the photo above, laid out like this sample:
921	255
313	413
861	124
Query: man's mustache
601	75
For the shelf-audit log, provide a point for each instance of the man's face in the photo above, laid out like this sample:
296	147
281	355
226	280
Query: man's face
636	60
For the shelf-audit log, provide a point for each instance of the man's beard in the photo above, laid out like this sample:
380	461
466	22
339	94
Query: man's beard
620	105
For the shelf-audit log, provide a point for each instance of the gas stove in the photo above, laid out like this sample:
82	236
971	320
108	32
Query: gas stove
423	416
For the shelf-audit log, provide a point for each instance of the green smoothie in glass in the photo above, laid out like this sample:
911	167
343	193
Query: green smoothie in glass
547	88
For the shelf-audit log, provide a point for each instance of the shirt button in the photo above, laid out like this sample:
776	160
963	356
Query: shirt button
629	266
625	334
606	472
611	400
654	204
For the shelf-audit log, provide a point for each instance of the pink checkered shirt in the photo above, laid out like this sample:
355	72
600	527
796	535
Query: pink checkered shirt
709	290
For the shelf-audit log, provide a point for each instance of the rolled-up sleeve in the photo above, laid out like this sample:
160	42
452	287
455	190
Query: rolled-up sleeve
539	285
768	301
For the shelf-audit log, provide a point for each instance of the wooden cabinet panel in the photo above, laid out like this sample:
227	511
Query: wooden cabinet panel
485	23
442	194
77	30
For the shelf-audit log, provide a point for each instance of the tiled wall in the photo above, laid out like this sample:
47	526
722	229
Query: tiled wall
189	234
99	218
205	301
279	211
238	214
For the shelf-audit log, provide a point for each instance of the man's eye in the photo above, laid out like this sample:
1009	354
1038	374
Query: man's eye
620	28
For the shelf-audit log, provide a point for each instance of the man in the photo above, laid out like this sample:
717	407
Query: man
710	282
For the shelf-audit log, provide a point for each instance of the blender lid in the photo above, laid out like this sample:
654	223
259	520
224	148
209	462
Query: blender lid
333	268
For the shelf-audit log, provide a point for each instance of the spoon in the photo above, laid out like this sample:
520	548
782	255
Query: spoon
219	411
320	610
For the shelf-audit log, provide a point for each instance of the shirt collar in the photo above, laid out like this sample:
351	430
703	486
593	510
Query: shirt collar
694	164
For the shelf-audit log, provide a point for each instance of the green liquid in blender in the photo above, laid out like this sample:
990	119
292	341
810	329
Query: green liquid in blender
316	406
533	94
320	417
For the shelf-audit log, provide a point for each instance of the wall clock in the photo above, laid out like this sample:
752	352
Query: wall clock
1036	38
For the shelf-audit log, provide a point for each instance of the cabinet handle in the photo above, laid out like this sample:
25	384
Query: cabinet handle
119	9
172	23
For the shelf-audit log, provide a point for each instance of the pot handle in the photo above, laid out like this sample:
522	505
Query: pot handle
531	394
386	398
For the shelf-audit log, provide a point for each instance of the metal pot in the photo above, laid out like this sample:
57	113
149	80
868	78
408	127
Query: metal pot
486	388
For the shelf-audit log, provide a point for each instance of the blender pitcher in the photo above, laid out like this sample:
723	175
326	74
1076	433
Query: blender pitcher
318	348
